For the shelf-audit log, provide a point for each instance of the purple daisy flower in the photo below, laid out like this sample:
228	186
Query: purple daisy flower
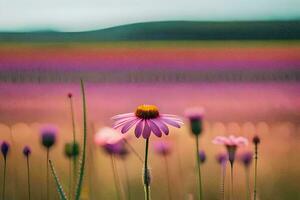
162	147
146	119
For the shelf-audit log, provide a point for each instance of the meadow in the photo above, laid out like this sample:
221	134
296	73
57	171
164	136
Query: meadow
36	78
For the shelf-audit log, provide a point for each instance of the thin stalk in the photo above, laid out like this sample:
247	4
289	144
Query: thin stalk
200	195
146	173
127	180
168	177
223	170
134	151
231	174
116	177
4	179
28	177
47	175
180	169
74	140
255	171
247	183
70	179
82	161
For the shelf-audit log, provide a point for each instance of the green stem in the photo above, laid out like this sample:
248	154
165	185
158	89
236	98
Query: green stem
247	183
47	175
116	178
127	180
28	177
223	181
4	180
231	174
146	173
168	177
255	170
200	195
74	140
70	178
82	161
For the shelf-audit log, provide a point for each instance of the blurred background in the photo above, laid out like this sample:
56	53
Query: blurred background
239	60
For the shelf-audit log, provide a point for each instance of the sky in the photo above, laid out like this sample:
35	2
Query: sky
82	15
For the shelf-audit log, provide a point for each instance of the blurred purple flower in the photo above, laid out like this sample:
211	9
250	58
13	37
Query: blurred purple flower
246	158
222	158
48	135
146	119
4	149
26	151
162	147
202	156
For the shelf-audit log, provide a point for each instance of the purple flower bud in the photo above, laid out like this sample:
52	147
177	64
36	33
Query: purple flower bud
70	95
26	151
231	153
246	158
222	158
4	149
256	140
202	156
48	136
195	115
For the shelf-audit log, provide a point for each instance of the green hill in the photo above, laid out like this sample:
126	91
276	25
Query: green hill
172	30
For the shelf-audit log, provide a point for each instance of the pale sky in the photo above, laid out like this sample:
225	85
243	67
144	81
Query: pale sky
80	15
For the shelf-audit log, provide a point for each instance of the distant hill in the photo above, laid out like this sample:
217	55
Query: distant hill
171	30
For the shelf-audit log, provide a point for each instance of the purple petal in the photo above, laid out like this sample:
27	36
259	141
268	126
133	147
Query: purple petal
120	121
122	116
139	128
161	125
115	126
171	122
178	120
154	128
146	131
128	125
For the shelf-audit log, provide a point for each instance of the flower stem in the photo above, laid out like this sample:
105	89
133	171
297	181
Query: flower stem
70	178
127	179
47	175
200	195
116	178
74	140
168	177
223	170
28	177
231	174
4	179
247	183
255	170
146	173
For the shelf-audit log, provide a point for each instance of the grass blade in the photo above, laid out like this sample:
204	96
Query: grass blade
59	187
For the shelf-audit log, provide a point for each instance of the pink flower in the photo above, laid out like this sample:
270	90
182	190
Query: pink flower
106	136
231	141
146	119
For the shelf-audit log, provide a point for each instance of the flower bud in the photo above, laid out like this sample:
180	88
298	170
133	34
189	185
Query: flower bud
26	151
4	149
256	140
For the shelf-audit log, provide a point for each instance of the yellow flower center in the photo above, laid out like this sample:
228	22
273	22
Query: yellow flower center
147	112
